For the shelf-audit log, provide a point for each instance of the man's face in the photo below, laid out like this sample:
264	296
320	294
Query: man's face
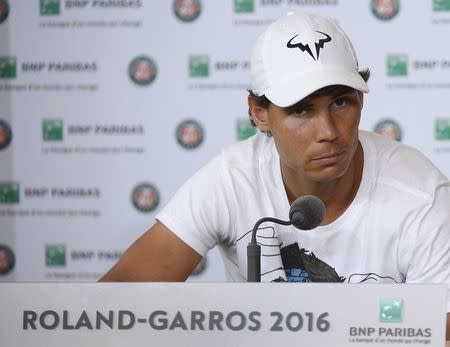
318	137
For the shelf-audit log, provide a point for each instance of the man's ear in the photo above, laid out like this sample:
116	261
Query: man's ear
259	115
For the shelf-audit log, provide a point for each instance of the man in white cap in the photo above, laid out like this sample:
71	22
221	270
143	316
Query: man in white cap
386	204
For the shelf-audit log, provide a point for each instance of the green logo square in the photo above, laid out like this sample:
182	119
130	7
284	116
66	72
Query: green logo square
52	130
397	65
8	67
442	129
55	255
441	5
391	310
9	193
244	129
49	7
198	66
244	6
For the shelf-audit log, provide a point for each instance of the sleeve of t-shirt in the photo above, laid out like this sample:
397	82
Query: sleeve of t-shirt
430	260
200	213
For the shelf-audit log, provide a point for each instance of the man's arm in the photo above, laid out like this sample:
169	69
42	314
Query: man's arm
158	255
448	329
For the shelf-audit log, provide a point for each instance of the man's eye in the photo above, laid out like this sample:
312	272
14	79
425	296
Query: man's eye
301	111
340	102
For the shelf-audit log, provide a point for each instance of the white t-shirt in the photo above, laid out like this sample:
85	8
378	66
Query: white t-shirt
397	229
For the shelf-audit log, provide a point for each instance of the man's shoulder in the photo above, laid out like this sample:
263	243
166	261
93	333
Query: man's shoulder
237	159
250	152
400	165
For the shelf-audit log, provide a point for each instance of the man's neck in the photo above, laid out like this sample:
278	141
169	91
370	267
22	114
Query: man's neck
337	195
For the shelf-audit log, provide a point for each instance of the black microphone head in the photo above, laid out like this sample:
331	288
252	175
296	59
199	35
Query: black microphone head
307	212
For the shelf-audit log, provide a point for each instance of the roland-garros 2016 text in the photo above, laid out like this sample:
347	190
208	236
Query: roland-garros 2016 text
163	320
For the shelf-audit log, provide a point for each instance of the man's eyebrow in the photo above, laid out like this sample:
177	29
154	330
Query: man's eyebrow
302	104
341	92
333	92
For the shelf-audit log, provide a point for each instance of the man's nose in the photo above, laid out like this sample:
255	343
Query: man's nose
326	127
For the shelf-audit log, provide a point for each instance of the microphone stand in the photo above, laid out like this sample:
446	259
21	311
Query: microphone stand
254	250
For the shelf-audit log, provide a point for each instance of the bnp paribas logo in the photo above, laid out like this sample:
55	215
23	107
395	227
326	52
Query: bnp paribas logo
198	66
187	10
142	70
244	129
244	6
52	129
441	5
4	10
55	255
385	9
200	268
442	129
49	7
391	310
5	134
9	193
397	65
145	197
8	67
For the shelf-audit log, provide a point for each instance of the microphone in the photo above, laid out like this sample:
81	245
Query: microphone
306	213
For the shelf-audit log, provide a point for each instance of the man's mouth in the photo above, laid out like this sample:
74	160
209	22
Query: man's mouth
329	158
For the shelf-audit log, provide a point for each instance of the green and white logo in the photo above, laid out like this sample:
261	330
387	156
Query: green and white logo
244	6
49	7
198	66
391	310
442	129
244	129
142	70
5	134
385	9
52	129
55	255
441	5
200	268
9	193
389	128
4	10
187	10
7	260
145	197
8	68
190	134
397	65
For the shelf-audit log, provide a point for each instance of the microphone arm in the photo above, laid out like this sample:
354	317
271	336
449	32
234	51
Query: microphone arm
254	250
306	213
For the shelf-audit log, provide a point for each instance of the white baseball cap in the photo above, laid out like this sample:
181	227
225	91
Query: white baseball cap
299	54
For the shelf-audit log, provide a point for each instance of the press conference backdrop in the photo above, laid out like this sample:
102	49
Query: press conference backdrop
108	106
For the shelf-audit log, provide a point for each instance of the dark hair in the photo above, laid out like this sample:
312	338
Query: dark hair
263	102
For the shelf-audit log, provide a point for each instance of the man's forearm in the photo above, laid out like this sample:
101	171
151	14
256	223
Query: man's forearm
448	329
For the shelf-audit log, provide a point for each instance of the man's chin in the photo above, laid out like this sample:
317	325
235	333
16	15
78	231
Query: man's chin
329	174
